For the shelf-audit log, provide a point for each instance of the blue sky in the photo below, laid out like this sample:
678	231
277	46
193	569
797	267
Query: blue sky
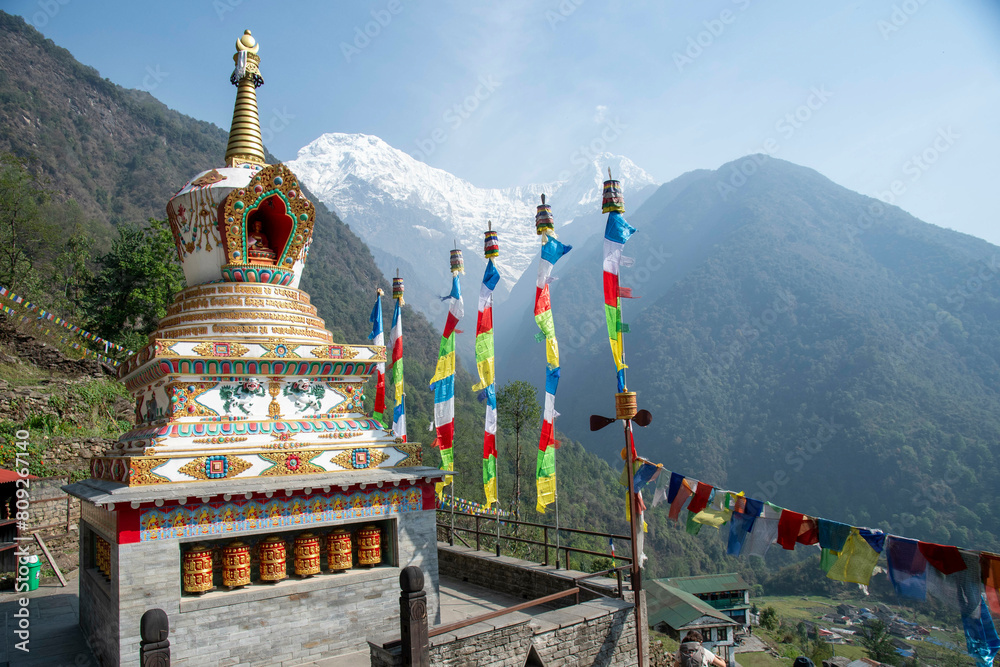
871	94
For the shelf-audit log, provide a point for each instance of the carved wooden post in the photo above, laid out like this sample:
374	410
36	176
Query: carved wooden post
413	617
154	649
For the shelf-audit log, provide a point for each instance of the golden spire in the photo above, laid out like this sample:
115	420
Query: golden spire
245	144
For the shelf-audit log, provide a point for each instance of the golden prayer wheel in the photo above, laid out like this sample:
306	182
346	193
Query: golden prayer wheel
625	405
235	565
272	559
338	550
197	570
369	546
307	558
103	556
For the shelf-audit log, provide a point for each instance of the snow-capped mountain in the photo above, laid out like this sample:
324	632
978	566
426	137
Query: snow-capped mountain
411	214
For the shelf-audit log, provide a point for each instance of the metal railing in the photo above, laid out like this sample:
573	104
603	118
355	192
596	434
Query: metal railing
453	532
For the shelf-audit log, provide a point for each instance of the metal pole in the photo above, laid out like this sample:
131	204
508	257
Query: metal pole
557	509
498	528
452	511
635	527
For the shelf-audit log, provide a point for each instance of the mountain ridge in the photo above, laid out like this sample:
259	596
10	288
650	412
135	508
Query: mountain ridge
775	322
416	209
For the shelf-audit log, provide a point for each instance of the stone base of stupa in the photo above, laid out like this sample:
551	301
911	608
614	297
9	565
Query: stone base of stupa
133	540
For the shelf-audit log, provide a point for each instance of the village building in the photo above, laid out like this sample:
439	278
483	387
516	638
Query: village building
727	593
675	612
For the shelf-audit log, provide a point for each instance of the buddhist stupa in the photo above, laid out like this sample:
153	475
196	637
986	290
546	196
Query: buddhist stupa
252	479
241	379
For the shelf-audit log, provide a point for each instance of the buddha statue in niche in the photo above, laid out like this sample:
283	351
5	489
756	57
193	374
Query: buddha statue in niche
258	249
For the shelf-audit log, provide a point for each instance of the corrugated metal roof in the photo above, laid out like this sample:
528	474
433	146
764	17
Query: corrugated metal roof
708	583
677	608
11	476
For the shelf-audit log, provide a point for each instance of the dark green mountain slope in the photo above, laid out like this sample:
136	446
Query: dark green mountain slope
803	343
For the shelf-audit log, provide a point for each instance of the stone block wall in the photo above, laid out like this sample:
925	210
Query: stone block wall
289	623
598	633
49	506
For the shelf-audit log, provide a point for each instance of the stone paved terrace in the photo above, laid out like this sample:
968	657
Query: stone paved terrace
56	640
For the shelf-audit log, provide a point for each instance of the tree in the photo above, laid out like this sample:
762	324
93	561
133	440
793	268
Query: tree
819	651
23	231
135	283
600	564
769	618
72	265
517	402
874	636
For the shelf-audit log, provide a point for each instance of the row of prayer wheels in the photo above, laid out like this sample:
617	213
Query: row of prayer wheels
197	565
102	555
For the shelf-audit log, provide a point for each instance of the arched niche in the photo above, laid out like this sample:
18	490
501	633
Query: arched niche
267	224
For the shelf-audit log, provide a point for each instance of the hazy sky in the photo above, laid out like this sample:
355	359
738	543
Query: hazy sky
507	93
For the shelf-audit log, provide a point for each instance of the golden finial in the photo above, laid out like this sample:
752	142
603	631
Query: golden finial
247	43
245	144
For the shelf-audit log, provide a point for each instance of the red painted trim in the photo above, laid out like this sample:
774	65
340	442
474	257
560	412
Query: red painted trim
128	524
429	496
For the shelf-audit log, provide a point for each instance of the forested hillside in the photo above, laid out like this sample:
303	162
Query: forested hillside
802	343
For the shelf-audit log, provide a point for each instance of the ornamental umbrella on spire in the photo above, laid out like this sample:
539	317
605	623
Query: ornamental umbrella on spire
486	364
443	382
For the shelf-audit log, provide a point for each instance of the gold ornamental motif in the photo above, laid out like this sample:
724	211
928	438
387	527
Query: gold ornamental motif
274	388
215	440
307	559
235	565
142	472
414	454
164	348
210	178
197	570
183	399
220	350
272	559
279	350
334	352
289	463
215	467
369	546
338	551
360	459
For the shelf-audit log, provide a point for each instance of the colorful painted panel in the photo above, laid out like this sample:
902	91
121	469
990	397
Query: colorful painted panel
235	516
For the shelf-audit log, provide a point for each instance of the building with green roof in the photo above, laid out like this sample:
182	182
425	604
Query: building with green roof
675	612
727	593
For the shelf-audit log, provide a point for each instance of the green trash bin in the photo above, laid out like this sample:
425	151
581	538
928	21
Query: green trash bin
34	567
